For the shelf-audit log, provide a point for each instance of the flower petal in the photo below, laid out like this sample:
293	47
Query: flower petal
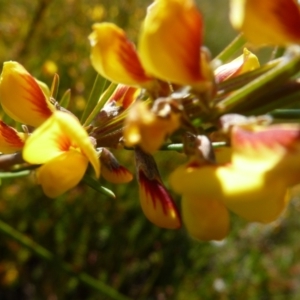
267	22
255	195
157	204
114	56
170	41
21	97
60	133
62	173
245	63
148	130
124	95
10	140
111	170
268	148
205	219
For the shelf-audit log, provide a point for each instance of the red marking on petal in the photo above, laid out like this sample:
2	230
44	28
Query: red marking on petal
63	142
36	96
157	193
269	137
10	135
287	11
131	62
191	51
123	95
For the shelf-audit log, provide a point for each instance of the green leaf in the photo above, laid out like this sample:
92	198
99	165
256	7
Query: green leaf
97	90
231	49
260	86
94	184
103	99
65	100
54	86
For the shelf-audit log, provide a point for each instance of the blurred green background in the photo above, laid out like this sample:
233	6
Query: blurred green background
110	239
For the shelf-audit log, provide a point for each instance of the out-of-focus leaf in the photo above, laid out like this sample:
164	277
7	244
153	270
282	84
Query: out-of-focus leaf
94	184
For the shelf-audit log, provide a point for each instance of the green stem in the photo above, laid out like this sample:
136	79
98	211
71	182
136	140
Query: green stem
14	174
233	47
46	255
261	85
179	146
288	114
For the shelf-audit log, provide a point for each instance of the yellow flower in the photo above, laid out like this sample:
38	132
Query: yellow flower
245	63
170	42
147	128
156	202
265	164
64	149
114	56
10	140
267	22
21	97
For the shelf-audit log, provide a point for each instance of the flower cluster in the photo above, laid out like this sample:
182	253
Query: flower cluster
168	93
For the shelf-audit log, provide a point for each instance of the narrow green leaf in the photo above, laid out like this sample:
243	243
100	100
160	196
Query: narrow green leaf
54	86
65	99
289	66
231	49
103	99
97	90
94	184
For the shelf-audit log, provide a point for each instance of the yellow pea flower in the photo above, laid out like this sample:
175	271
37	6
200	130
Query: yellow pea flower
148	129
114	56
244	63
64	149
267	22
170	41
10	140
21	97
264	165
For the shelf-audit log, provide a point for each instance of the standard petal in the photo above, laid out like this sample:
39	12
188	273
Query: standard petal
205	219
114	56
170	41
21	97
60	133
62	173
10	140
267	22
273	148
